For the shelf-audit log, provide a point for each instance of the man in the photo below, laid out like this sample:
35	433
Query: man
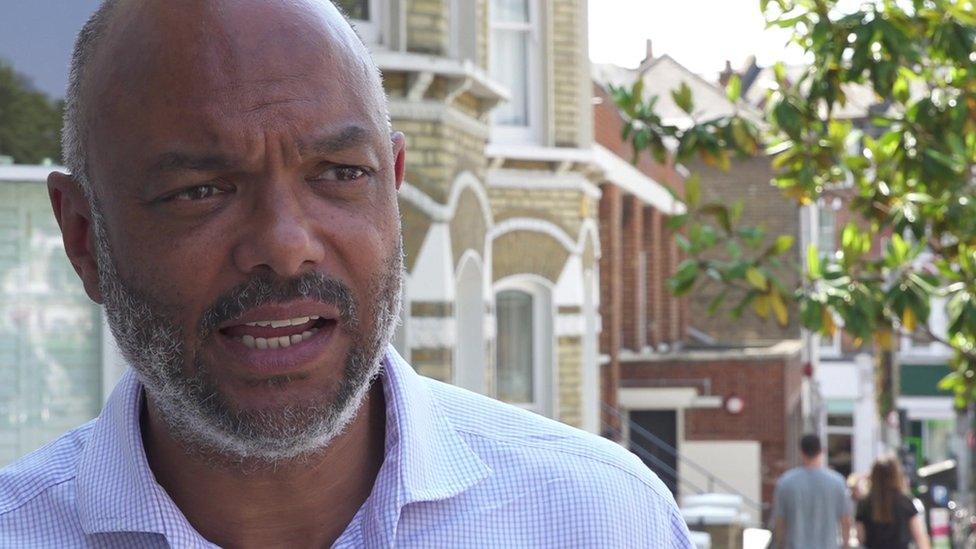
810	504
232	203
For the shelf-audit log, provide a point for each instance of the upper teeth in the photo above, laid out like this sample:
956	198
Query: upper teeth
282	323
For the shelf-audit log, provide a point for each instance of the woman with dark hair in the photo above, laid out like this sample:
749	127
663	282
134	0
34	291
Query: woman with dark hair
887	517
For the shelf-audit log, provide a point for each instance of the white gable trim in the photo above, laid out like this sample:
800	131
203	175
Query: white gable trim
623	174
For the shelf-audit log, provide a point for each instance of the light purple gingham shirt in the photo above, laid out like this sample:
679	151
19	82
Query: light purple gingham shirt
461	470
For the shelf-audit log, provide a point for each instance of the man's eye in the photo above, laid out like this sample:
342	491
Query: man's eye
341	173
200	192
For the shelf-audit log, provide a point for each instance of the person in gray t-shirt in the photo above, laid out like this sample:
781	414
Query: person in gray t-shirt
811	503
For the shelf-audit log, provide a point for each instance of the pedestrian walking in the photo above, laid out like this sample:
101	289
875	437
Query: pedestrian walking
811	508
887	518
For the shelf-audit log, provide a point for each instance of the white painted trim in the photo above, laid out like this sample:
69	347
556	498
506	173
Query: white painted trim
539	153
400	61
590	364
589	226
623	174
537	226
31	173
470	367
444	213
919	408
569	289
437	212
467	180
469	255
435	111
545	360
570	325
371	30
542	180
656	398
432	278
432	332
537	80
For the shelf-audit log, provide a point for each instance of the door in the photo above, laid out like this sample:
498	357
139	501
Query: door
654	437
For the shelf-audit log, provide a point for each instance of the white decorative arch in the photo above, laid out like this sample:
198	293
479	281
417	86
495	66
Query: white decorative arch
467	180
544	363
470	367
589	228
445	212
538	226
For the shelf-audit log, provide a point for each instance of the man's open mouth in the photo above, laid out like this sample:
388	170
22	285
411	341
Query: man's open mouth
278	333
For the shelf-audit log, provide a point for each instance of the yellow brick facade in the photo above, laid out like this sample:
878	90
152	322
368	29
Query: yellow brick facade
450	211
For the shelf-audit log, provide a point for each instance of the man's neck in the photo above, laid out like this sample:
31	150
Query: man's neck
814	463
304	504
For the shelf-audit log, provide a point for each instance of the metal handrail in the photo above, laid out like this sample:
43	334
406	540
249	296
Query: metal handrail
663	445
671	472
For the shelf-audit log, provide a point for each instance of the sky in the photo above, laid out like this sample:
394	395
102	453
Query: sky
37	35
699	34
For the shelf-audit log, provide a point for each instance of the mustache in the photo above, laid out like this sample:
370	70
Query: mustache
264	289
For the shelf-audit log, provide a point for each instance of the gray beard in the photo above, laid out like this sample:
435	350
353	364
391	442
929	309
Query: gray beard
193	408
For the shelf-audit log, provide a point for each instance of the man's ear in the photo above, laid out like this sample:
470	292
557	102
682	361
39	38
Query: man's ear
73	213
399	157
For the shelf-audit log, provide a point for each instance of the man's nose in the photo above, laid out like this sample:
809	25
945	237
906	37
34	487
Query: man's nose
281	235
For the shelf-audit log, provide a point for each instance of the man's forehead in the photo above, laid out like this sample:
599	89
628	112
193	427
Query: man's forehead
204	73
229	42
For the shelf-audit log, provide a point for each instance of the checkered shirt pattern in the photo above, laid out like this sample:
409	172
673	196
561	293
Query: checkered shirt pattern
460	470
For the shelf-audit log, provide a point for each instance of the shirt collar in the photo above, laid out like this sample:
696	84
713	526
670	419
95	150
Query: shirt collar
425	460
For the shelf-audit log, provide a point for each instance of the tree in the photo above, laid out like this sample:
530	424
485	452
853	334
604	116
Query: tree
30	122
910	171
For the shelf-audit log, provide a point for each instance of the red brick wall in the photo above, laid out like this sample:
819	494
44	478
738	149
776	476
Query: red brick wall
764	205
656	292
611	266
642	230
633	246
607	130
770	388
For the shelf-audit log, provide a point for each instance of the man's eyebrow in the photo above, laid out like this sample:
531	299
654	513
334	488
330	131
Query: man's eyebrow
349	137
180	161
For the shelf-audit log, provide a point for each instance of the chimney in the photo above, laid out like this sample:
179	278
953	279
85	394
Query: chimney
726	74
648	56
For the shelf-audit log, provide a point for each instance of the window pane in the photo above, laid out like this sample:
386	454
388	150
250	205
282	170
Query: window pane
510	11
509	65
514	347
355	9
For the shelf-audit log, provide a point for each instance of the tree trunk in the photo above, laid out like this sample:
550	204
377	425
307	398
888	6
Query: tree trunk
887	389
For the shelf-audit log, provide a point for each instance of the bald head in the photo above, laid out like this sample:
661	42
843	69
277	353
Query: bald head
129	53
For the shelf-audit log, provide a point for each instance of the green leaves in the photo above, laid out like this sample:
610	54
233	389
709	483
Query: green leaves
693	190
904	166
733	90
683	99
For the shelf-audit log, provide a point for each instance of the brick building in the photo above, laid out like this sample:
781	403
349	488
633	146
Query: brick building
708	403
499	213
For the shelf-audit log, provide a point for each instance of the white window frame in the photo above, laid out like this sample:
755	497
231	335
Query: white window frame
464	30
371	30
830	348
543	342
533	132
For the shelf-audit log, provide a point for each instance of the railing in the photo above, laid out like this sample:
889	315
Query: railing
667	470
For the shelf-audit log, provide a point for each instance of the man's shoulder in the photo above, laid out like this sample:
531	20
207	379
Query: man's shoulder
39	473
526	442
